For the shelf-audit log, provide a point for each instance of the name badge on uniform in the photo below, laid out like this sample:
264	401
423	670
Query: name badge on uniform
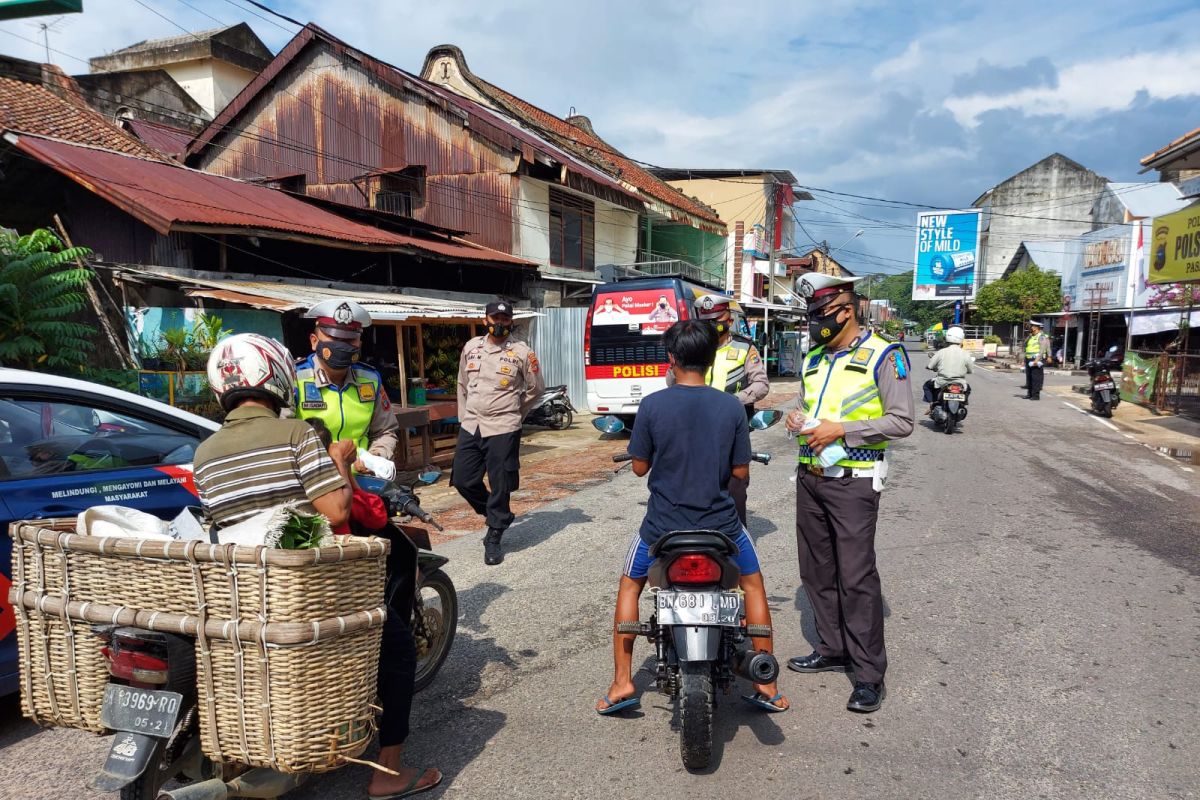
314	405
366	393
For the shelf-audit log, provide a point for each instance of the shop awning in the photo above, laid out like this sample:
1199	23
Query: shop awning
1147	322
283	296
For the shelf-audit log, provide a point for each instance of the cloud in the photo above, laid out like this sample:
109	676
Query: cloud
902	64
991	79
1087	88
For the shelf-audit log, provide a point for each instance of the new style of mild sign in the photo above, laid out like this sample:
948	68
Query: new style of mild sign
947	250
1175	248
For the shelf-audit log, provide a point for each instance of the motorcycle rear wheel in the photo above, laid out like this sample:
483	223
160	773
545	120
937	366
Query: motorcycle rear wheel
438	624
696	702
950	423
561	419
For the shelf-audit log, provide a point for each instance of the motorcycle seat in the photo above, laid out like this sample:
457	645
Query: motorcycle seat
555	388
681	540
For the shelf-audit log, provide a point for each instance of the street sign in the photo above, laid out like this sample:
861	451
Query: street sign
16	9
1175	247
946	254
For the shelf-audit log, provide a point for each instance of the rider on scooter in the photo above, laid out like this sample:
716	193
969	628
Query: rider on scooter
951	363
694	437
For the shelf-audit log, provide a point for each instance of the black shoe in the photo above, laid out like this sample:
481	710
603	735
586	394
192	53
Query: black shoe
815	662
492	554
866	697
1037	397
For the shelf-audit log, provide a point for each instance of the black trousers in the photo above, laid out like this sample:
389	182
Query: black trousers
397	650
930	391
499	458
1035	379
737	490
835	539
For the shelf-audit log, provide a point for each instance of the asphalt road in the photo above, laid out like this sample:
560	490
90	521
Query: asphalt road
1040	575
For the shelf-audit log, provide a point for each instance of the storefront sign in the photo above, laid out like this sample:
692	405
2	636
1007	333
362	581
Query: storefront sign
1175	248
1103	277
947	250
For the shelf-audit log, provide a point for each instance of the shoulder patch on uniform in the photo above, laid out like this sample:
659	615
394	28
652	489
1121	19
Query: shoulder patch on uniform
899	365
533	362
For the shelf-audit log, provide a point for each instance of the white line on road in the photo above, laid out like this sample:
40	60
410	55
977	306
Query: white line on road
1083	411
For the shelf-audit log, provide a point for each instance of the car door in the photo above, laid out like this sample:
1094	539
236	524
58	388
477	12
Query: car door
62	452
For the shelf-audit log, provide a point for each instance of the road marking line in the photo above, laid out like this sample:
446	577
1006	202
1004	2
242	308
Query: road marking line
1084	411
1187	469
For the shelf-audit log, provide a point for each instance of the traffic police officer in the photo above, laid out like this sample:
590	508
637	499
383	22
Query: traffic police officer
499	382
1037	353
738	370
333	386
855	385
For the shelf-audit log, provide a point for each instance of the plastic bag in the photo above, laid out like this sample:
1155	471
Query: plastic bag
121	521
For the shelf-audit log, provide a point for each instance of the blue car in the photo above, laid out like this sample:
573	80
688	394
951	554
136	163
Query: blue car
67	445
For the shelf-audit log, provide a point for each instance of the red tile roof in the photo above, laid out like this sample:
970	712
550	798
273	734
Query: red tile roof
169	197
31	108
1182	140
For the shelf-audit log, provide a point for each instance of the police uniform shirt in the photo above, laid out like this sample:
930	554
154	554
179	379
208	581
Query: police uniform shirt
383	432
758	385
899	416
498	384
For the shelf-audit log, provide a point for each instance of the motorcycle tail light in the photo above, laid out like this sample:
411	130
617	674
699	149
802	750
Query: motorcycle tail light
128	663
954	389
694	568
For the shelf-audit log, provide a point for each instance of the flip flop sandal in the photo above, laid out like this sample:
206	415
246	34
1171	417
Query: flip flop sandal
760	701
410	790
628	704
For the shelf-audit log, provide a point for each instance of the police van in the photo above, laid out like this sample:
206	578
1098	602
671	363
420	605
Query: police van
623	354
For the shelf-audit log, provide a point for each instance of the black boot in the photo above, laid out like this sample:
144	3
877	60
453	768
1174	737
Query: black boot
492	554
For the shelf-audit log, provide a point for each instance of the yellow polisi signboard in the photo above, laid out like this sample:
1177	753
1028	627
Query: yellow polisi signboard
1175	248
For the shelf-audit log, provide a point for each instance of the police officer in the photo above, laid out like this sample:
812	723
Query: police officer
855	387
738	370
1037	353
499	382
344	394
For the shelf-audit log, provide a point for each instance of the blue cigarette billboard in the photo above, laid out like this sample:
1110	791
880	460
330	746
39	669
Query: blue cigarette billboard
947	252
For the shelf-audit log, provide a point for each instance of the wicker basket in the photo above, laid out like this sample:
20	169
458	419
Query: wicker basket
270	625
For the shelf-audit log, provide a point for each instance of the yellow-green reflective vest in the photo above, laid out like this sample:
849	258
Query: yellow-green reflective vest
345	410
1033	347
842	388
728	371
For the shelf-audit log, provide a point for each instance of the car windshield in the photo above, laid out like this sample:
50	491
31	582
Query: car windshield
40	437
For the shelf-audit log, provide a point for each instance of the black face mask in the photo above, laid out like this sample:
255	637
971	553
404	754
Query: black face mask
499	329
824	329
338	355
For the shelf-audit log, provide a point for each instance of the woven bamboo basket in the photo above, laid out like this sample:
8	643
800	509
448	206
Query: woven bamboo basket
270	625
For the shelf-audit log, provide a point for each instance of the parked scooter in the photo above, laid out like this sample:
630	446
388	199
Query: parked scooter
1105	396
698	627
554	409
151	699
950	405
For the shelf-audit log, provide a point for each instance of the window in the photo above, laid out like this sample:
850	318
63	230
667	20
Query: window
400	192
42	437
572	231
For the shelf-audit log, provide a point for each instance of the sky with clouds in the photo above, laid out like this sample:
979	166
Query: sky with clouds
923	102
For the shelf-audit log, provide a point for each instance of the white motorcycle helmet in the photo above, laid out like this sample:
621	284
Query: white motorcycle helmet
954	335
252	365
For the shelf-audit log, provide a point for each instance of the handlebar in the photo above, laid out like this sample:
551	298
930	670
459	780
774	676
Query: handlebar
413	509
619	457
762	458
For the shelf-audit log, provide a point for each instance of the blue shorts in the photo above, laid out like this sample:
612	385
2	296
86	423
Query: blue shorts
638	560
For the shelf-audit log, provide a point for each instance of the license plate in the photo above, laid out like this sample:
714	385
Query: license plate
147	711
1108	385
699	608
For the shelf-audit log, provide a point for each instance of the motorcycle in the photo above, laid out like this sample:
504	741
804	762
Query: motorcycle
554	409
151	700
1105	396
698	627
950	405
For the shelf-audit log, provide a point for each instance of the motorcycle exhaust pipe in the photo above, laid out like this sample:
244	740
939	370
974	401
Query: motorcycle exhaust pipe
756	666
213	789
265	783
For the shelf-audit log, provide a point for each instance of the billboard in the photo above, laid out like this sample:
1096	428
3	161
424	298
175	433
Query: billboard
1175	248
644	311
947	251
1103	274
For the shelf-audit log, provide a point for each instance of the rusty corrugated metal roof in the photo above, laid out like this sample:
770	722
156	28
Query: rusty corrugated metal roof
287	295
171	142
170	198
483	121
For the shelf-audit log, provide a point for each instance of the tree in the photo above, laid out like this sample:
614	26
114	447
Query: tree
42	292
898	290
1019	296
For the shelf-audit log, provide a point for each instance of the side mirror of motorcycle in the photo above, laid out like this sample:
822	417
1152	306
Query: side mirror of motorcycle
765	419
608	424
429	476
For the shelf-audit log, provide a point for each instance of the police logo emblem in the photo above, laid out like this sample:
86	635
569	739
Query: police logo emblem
707	303
862	355
366	393
342	315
